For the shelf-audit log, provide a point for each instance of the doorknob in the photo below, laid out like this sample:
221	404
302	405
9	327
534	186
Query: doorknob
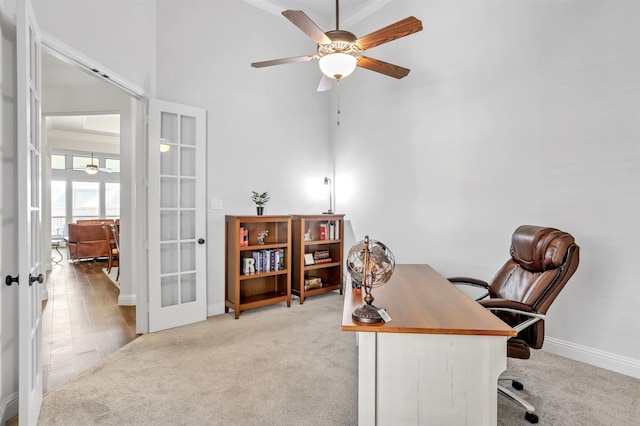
39	278
200	240
8	280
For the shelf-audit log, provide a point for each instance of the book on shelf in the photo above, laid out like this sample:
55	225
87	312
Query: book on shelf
323	231
312	282
325	260
244	236
321	254
308	287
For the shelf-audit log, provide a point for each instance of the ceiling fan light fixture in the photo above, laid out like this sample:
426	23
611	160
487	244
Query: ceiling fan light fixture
337	65
91	169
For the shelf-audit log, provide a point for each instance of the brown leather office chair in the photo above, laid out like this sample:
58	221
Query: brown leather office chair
542	261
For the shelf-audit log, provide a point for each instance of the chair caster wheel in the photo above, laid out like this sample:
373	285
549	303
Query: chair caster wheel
517	385
531	418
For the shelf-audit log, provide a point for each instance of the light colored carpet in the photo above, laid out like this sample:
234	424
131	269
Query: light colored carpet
293	366
273	366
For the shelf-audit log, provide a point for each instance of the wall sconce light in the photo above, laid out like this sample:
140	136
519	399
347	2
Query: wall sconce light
164	147
327	182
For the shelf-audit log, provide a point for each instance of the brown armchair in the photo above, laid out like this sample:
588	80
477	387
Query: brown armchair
542	261
87	239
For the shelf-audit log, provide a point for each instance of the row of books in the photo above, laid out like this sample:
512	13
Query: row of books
264	261
330	230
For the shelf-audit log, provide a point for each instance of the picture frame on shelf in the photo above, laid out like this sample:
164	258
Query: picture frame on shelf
308	259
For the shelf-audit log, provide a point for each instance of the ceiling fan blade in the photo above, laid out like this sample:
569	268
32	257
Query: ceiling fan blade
302	21
382	67
284	61
326	83
389	33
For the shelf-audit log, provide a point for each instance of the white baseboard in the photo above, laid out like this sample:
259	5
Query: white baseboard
619	364
215	309
127	300
9	407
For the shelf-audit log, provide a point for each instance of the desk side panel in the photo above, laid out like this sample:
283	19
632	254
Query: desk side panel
426	379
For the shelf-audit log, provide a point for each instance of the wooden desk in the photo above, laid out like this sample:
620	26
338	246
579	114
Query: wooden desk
436	362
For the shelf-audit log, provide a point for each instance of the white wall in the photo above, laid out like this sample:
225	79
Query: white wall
514	113
266	127
8	216
117	34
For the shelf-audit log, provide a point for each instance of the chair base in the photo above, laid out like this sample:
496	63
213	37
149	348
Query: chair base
530	415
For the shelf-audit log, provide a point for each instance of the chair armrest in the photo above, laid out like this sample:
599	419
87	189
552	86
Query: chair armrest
504	305
501	304
471	282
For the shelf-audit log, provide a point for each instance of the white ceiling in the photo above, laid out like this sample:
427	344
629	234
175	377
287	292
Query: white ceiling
57	74
323	12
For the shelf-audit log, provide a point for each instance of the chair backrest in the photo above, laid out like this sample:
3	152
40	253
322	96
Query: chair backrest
115	231
542	261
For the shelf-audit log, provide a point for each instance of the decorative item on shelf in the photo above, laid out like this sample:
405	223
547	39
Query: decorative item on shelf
308	259
248	266
370	264
327	183
307	235
261	236
260	200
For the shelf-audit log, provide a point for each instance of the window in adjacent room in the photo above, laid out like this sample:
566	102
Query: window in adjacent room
85	200
58	208
112	200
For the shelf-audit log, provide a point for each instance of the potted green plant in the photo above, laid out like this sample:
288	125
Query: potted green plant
260	200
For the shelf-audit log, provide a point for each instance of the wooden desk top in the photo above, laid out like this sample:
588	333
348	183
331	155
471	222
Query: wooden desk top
420	300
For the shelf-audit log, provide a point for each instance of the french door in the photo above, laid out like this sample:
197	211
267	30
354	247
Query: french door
30	267
177	215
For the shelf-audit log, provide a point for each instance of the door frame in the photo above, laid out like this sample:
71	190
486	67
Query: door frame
133	244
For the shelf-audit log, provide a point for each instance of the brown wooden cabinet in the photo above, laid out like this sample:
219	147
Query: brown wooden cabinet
319	238
257	275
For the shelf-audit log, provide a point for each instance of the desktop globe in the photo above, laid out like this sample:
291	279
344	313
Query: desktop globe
370	264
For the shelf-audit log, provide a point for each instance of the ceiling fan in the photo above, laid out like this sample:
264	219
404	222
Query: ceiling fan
338	50
92	169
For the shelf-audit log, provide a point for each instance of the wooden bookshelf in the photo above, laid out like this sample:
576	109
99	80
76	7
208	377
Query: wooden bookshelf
330	272
267	285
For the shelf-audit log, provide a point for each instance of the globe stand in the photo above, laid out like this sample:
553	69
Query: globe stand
367	314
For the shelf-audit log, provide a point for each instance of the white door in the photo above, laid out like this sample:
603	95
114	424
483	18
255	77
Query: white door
29	197
177	209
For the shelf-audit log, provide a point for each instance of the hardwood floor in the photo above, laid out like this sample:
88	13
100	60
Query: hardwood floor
82	323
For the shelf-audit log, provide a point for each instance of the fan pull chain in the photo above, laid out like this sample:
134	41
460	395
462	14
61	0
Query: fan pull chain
338	90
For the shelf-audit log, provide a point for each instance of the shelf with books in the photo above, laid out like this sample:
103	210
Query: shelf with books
257	259
317	258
